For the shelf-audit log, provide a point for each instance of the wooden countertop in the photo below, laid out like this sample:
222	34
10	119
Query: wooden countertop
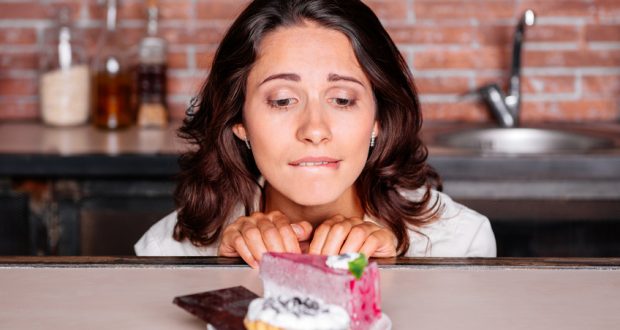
430	293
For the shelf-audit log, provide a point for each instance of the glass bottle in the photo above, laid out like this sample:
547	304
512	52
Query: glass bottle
64	79
151	74
111	76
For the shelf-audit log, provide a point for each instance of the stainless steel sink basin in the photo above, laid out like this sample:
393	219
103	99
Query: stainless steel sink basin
522	141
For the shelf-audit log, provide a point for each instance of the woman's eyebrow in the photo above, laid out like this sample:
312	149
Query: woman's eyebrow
295	77
337	77
285	76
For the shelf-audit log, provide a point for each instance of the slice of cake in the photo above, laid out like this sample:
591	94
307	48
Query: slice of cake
343	280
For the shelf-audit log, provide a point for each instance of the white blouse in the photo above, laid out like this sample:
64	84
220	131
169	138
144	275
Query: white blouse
460	232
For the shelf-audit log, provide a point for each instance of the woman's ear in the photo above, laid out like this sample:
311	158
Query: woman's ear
375	128
240	132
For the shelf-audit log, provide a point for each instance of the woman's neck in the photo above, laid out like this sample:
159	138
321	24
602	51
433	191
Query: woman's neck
347	205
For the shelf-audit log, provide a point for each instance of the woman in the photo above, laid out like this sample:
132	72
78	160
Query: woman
307	140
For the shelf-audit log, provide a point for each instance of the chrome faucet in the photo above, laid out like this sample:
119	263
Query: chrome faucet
506	108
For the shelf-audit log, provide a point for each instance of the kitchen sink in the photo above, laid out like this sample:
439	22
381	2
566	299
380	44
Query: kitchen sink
522	141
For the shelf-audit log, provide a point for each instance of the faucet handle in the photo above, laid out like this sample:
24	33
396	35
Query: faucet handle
496	102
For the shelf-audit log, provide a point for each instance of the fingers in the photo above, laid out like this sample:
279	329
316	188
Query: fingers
320	237
253	239
233	245
341	235
382	244
250	237
244	252
287	234
370	246
357	237
270	235
303	230
331	234
335	238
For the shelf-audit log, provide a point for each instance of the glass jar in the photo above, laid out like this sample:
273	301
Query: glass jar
64	79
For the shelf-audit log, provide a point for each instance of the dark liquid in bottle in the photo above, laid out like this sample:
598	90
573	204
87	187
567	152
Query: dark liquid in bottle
112	100
152	83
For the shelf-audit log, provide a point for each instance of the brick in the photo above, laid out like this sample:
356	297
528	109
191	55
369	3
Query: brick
17	36
200	35
175	9
220	9
38	10
503	35
570	58
499	78
137	10
530	84
129	9
548	85
204	59
18	109
388	9
18	87
177	60
185	84
484	58
19	61
608	10
421	34
606	33
563	8
177	109
168	9
442	85
602	109
457	111
483	10
601	85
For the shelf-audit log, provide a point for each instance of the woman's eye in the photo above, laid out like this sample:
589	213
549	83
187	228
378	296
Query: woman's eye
343	102
282	103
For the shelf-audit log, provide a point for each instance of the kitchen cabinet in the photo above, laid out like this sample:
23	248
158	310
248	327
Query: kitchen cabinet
82	191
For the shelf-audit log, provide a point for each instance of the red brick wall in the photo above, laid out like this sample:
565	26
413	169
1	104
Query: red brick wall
571	60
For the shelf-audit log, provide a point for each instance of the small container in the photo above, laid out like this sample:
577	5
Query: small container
152	75
64	82
112	81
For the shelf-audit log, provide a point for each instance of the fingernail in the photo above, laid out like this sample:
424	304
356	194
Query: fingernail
297	229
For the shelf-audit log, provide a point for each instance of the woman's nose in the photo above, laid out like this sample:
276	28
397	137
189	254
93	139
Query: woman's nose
313	125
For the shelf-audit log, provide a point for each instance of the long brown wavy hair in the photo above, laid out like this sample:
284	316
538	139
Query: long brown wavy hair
219	173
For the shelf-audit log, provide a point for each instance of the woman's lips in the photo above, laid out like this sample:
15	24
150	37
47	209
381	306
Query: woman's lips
316	162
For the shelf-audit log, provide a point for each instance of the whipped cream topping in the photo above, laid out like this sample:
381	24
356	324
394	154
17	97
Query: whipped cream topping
298	313
341	261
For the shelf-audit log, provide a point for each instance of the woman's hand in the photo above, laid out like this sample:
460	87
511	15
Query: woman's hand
250	237
341	235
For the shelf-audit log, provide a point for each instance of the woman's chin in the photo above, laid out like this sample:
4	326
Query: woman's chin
309	198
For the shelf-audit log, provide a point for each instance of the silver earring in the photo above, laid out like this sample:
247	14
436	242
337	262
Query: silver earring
247	143
373	139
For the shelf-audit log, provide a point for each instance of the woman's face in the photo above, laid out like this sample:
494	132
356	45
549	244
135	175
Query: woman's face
309	114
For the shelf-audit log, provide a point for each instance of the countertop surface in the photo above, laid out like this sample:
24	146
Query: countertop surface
31	149
465	294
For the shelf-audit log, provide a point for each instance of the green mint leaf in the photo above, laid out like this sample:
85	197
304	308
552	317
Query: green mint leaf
357	266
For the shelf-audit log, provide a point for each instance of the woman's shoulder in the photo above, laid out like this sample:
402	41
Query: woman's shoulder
457	232
158	241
